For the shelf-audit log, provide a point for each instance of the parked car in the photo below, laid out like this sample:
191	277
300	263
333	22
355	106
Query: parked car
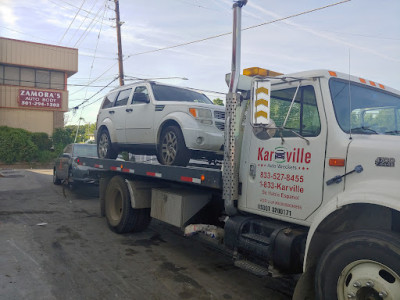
149	118
66	167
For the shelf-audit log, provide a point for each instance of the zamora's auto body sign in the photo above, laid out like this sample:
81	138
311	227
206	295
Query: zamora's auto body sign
40	99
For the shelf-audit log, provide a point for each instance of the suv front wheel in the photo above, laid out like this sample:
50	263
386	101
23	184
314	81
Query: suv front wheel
104	146
171	148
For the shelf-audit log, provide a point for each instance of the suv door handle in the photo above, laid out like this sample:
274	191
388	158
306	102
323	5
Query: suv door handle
111	112
129	110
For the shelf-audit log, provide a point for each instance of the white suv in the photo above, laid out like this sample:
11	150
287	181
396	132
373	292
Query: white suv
172	122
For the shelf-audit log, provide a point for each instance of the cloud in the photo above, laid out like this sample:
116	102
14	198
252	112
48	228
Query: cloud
323	35
7	13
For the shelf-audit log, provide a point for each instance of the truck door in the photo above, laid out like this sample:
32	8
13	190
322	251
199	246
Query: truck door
140	117
282	176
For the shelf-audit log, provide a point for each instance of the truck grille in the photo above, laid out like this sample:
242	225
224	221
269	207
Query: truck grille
219	115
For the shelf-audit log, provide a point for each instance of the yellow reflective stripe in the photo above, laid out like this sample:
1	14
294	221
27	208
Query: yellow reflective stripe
262	90
262	102
261	114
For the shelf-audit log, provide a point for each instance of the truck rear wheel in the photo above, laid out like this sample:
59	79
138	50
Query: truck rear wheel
360	265
121	217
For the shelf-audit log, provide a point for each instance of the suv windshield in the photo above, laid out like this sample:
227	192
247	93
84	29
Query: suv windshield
371	112
171	93
87	150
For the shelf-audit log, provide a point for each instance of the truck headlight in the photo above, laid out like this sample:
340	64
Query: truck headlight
202	115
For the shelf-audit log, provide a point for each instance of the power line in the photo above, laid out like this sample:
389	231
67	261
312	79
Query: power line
99	91
247	28
224	34
83	21
74	6
83	2
97	44
90	24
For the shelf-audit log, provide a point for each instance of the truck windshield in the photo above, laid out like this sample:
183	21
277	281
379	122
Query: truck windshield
371	111
171	93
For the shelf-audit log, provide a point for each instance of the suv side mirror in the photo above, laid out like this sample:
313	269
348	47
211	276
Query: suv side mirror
141	97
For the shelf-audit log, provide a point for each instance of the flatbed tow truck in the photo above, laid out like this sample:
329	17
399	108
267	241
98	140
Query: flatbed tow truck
309	183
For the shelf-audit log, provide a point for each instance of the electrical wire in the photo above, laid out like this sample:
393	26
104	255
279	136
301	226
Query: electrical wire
247	28
223	34
90	24
83	21
74	6
99	91
83	2
97	44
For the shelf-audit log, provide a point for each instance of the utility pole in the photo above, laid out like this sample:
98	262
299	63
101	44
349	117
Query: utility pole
120	60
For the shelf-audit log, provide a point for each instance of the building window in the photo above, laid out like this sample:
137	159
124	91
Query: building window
30	77
11	75
27	77
1	74
42	79
56	80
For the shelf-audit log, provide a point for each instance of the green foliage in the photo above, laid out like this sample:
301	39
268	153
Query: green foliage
16	145
125	155
61	138
19	145
218	101
41	140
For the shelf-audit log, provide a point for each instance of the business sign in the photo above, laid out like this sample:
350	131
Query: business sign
40	99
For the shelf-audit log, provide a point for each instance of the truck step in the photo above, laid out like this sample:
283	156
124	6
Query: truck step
251	267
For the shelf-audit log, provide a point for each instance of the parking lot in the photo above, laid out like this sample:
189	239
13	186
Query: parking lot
55	245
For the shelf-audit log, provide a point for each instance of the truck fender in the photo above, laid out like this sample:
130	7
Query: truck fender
375	192
181	118
111	130
140	192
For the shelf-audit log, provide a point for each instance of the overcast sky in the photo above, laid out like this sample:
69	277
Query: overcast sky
360	36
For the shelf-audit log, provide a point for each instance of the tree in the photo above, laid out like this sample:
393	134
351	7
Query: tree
218	101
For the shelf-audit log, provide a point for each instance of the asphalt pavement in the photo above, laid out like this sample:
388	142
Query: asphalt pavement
55	245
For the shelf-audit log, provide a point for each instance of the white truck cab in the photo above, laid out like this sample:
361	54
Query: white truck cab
325	157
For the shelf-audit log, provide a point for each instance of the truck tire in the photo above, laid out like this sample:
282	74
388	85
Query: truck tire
56	180
104	146
360	265
171	149
121	217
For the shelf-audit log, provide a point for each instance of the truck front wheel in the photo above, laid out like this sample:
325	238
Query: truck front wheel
121	217
360	265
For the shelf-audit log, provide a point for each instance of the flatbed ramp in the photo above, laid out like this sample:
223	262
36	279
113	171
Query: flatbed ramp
205	176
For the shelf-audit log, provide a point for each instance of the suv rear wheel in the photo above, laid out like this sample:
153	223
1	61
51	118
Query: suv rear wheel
104	146
171	148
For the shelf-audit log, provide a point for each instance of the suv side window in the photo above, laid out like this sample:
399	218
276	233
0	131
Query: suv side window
109	100
123	97
140	91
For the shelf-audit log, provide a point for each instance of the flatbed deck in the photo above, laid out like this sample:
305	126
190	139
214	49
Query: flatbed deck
209	176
